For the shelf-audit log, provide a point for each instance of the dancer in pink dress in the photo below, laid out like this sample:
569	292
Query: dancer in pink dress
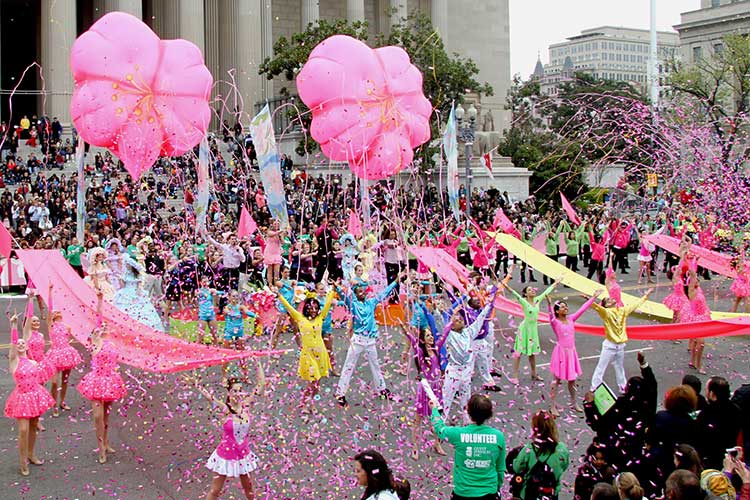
103	384
28	401
233	458
741	284
564	364
677	301
272	252
61	355
695	309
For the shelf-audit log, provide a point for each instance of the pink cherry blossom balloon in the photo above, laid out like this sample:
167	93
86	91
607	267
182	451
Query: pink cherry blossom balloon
137	95
367	105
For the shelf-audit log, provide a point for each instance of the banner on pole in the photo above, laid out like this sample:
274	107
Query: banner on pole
450	148
81	191
261	129
200	206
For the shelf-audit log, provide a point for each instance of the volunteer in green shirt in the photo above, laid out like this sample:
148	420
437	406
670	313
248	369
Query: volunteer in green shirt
73	255
479	459
546	447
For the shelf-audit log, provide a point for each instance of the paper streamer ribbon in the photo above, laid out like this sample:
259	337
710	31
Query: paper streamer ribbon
547	266
713	261
673	331
136	344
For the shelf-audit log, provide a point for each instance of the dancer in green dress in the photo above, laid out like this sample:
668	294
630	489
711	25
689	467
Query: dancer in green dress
527	336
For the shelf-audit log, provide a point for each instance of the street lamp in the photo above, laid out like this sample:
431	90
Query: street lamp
466	135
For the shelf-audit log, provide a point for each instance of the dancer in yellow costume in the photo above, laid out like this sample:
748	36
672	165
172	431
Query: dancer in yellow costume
314	362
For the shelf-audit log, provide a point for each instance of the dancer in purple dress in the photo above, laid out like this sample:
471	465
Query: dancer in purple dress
428	367
564	364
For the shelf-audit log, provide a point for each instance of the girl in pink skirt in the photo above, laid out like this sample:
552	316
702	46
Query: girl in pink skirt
29	399
564	364
695	309
741	285
62	356
103	385
272	253
233	457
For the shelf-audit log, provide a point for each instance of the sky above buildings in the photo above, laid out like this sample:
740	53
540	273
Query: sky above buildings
536	24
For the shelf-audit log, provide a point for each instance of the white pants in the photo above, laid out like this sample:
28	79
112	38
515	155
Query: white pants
457	383
352	355
483	359
611	353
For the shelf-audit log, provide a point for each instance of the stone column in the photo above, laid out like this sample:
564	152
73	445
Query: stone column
58	19
440	18
249	19
191	23
267	32
310	12
227	55
211	53
355	10
399	11
166	19
133	7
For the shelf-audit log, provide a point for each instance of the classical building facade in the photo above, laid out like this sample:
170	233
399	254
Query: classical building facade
701	31
235	36
609	53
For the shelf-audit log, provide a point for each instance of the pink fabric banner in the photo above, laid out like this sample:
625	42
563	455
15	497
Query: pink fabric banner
448	268
502	221
137	345
6	241
454	273
538	242
669	331
247	224
714	261
572	215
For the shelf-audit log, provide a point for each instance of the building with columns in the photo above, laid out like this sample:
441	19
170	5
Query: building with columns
235	36
701	31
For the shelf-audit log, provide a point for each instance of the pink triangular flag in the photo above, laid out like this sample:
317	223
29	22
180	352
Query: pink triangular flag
502	221
247	224
355	226
6	242
570	210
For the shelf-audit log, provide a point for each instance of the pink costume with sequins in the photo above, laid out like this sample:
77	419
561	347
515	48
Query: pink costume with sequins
29	399
35	346
103	383
233	457
677	301
61	355
741	284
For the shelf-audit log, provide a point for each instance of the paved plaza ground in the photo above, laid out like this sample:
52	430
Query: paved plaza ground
163	432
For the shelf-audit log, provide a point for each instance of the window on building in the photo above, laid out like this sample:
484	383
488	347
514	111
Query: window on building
718	48
715	3
697	53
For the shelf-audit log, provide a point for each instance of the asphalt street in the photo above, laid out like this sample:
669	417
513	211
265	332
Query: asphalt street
164	432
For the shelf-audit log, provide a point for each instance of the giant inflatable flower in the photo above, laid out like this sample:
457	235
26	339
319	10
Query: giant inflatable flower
137	95
367	105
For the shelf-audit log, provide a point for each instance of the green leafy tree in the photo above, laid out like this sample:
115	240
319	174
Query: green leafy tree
555	163
446	77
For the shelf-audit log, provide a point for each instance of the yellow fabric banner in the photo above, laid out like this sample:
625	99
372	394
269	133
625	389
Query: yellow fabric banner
545	265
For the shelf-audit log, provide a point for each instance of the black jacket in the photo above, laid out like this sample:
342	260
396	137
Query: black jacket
718	426
622	430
